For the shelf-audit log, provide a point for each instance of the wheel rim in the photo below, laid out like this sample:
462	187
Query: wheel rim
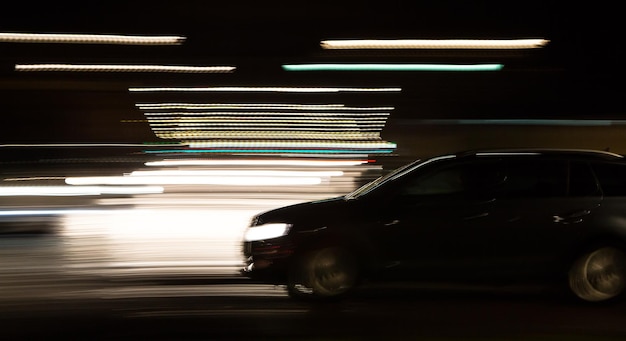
327	272
599	275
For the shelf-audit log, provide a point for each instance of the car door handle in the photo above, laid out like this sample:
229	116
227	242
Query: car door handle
392	222
571	218
476	216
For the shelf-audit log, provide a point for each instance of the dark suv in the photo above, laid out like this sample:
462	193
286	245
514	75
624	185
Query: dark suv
489	217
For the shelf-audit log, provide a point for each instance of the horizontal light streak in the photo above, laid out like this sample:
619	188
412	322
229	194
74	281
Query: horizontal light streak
393	67
75	191
34	145
291	128
312	163
262	89
234	173
273	151
122	68
256	106
69	38
290	144
48	212
154	115
261	134
545	122
434	44
198	180
248	121
284	125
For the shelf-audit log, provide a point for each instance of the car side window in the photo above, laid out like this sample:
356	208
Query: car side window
612	178
460	179
534	178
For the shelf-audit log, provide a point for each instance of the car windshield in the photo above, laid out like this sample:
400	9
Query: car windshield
369	187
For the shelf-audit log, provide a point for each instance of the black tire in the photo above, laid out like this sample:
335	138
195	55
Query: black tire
598	275
327	273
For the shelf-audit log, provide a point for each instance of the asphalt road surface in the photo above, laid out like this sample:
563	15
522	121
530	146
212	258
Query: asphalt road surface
217	307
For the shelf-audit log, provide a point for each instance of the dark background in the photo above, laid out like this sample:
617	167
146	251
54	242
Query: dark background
577	76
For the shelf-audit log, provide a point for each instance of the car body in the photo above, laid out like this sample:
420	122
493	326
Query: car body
498	216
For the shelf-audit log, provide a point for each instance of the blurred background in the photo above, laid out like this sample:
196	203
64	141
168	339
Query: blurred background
139	138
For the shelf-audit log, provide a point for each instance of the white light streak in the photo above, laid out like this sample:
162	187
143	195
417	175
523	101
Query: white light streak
155	115
435	44
235	173
290	144
263	89
199	162
195	180
69	38
260	134
121	68
256	106
75	191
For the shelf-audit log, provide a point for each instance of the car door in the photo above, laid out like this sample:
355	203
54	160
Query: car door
544	206
437	223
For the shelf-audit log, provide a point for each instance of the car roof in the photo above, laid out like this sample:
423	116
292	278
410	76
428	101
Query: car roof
569	153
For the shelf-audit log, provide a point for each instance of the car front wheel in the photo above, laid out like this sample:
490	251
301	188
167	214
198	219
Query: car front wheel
324	273
599	275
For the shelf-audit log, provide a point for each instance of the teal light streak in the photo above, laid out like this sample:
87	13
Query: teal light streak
392	67
294	151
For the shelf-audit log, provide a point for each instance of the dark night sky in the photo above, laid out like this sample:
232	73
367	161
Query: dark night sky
578	75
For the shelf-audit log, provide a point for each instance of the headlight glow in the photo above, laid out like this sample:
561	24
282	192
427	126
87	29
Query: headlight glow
266	231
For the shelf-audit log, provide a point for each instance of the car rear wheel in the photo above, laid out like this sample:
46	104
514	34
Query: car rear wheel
325	273
599	275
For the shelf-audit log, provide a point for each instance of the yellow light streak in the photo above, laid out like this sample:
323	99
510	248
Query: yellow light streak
69	38
121	68
262	89
435	44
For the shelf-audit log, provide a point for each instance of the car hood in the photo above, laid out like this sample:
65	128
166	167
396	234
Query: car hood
309	213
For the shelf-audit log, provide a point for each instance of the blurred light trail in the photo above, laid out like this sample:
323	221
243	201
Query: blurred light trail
122	68
69	38
532	122
392	67
29	145
274	151
194	180
195	114
297	135
76	191
262	89
236	173
283	144
213	162
256	106
435	44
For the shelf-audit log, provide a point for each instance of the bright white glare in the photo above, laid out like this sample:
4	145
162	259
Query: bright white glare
124	68
314	163
255	106
290	144
435	44
75	191
264	89
236	173
195	180
90	39
29	212
267	231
